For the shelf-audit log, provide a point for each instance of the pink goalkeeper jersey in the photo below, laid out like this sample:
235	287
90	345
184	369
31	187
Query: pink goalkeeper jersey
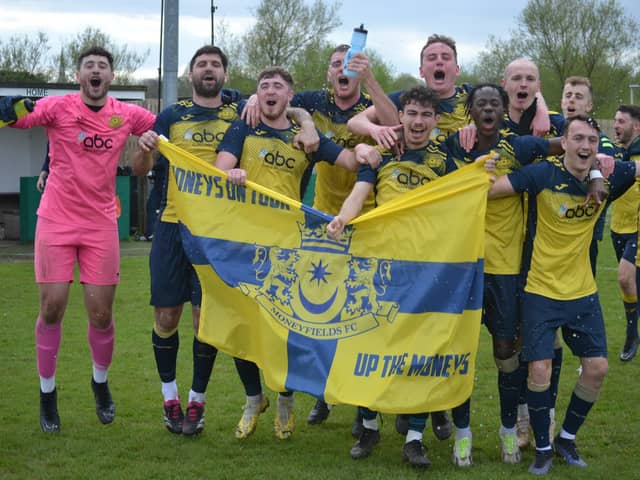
84	147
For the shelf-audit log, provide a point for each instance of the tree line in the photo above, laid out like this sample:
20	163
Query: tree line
593	38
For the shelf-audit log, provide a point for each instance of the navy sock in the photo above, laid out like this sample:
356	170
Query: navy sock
367	414
249	375
204	357
524	373
462	414
556	367
539	403
576	413
418	421
165	351
509	390
631	314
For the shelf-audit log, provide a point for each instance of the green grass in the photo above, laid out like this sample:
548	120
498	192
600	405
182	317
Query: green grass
137	445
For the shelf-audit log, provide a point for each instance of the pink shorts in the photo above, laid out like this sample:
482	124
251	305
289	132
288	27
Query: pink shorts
58	246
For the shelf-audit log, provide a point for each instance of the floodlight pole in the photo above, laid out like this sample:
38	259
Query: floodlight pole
631	87
213	11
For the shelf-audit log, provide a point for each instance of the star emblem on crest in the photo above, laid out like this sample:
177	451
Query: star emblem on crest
319	272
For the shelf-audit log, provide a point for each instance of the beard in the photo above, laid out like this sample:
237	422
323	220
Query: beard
205	91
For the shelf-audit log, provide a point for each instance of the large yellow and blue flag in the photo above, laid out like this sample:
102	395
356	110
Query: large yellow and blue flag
387	317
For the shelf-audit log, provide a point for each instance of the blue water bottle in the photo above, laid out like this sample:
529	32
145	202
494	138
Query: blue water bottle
358	41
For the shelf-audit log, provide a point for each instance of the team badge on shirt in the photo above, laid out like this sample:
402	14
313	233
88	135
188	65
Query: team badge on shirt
115	121
227	114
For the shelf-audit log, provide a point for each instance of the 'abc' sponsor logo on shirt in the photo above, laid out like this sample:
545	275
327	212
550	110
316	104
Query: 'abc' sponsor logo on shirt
95	141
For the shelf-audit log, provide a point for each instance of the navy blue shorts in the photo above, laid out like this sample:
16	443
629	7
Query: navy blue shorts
580	319
173	279
501	306
625	246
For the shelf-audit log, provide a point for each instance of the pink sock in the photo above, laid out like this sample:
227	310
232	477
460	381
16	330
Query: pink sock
47	346
101	343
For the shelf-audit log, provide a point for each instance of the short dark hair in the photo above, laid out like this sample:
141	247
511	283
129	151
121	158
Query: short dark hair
582	118
271	72
95	50
632	110
576	80
341	48
472	96
437	38
421	95
209	50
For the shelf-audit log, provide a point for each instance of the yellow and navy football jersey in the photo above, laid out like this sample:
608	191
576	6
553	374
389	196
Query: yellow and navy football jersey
452	113
270	159
560	227
624	211
395	176
333	184
555	119
504	225
198	130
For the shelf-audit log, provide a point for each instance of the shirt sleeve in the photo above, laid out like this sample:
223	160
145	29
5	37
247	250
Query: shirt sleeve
622	178
367	174
303	100
395	98
233	140
328	150
163	121
141	119
606	146
44	113
531	178
528	148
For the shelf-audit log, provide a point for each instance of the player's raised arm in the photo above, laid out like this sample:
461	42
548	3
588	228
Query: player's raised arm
351	207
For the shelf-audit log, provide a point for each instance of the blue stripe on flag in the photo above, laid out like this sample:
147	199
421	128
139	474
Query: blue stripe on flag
446	287
442	287
309	362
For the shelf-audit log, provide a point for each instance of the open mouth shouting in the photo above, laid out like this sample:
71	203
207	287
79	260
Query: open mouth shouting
522	99
488	122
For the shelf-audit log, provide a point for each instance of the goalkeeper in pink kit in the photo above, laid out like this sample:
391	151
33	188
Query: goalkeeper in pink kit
77	219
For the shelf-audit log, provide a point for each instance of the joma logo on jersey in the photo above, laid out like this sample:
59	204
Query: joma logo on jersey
578	211
205	136
95	141
560	186
278	160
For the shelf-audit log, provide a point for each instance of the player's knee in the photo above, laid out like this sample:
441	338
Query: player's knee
508	365
167	319
52	312
100	317
540	372
627	278
504	349
594	370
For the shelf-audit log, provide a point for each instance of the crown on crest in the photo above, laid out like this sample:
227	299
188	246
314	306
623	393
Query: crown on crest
316	239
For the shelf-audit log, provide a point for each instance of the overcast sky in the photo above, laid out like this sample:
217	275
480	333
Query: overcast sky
397	28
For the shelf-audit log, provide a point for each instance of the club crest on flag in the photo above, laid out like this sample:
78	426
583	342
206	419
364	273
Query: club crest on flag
314	291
